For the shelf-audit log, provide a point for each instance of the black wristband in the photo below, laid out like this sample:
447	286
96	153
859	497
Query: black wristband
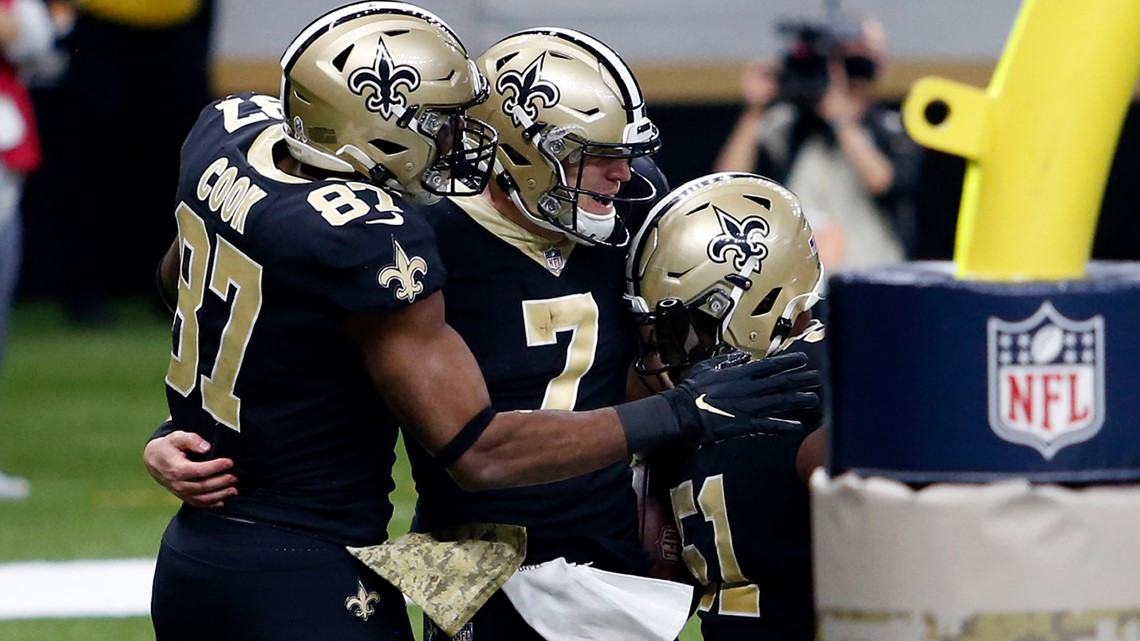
164	428
649	421
450	453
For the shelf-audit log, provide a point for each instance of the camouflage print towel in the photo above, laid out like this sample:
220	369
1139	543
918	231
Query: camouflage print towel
450	574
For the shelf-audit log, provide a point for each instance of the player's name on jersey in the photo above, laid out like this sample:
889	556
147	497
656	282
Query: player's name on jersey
228	194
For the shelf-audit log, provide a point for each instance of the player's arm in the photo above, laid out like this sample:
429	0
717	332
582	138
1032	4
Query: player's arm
870	163
845	113
432	382
758	88
166	277
811	453
167	458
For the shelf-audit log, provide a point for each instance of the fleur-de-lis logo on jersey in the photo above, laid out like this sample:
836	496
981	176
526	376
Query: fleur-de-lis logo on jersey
403	274
361	604
526	89
385	80
744	239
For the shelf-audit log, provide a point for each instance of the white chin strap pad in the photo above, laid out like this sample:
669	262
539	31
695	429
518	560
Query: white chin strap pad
594	226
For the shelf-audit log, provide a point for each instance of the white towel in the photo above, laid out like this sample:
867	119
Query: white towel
565	602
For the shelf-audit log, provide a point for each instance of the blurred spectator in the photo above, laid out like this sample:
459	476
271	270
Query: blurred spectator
131	63
25	40
814	123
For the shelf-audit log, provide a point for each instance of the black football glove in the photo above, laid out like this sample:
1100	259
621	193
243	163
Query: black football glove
728	396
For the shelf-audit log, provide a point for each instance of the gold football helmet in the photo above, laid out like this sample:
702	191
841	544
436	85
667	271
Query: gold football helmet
730	254
559	97
381	89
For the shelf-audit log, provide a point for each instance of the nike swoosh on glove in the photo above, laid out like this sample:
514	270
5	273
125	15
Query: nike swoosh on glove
729	396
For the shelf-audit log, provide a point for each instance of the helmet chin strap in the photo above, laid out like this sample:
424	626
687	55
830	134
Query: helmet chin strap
594	227
814	331
750	266
381	176
513	192
421	197
315	157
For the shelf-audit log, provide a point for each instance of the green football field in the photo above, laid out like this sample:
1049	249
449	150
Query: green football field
76	407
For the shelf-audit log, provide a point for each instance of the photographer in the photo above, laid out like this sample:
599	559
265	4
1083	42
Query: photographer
814	123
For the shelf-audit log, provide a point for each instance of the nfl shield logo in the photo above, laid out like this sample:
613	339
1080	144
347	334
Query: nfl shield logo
554	260
1046	379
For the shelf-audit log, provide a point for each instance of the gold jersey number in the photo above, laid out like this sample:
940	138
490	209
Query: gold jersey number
577	314
236	279
737	595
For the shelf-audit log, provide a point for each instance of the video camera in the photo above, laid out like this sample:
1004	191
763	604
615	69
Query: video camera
803	77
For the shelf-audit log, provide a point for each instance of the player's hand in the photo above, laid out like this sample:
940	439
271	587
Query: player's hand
839	105
203	484
727	396
758	84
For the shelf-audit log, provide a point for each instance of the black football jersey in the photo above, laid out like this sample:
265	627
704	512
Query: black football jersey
272	265
746	535
545	323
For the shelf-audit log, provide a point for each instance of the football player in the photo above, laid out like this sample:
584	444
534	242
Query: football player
309	324
535	287
724	263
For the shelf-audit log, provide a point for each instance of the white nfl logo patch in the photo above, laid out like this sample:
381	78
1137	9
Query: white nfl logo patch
554	259
1046	379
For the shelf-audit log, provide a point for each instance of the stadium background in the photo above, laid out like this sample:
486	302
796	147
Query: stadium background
75	407
687	57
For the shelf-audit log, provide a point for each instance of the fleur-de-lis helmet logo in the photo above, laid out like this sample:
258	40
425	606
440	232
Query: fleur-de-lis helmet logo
361	604
527	90
743	239
403	273
385	79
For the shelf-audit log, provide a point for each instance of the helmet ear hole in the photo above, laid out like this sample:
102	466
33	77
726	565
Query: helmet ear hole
707	329
341	59
387	146
517	159
765	306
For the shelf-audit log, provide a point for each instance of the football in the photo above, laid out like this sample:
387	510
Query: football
656	526
1047	344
